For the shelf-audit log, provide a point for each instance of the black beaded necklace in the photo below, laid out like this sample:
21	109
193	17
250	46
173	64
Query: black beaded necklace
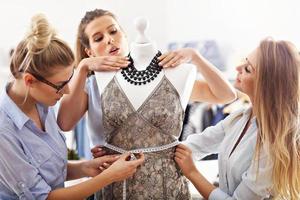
133	76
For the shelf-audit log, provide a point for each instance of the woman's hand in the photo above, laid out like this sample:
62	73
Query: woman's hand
94	167
104	63
183	157
123	168
175	58
98	151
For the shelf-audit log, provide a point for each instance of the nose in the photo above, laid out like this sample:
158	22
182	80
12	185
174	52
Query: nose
239	68
110	40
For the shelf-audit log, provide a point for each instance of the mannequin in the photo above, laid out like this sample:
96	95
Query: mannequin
142	51
146	118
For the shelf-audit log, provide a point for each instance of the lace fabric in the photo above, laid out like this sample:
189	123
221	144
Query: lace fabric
157	122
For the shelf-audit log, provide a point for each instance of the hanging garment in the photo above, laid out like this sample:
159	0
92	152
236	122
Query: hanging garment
156	124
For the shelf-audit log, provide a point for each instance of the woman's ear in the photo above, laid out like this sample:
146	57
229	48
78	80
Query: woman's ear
89	52
28	79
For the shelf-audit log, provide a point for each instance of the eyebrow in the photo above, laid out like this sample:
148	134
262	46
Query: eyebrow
247	60
249	63
106	29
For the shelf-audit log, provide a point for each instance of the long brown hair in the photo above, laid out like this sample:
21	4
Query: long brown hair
277	110
82	40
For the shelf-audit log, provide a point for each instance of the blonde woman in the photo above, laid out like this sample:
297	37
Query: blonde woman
33	153
258	147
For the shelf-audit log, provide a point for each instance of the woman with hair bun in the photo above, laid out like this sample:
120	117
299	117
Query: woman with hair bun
33	153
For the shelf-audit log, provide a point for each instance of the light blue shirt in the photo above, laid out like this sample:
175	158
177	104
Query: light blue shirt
238	178
32	162
94	114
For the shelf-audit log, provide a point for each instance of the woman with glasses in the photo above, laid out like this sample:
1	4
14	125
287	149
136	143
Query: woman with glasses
33	153
259	148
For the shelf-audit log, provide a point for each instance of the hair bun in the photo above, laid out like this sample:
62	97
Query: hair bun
40	34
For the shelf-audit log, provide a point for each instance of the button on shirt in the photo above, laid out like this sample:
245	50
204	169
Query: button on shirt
32	162
237	171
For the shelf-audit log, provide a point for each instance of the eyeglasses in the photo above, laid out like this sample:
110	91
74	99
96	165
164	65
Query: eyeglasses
57	87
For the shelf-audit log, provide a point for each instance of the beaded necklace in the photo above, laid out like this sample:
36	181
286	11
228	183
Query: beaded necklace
133	76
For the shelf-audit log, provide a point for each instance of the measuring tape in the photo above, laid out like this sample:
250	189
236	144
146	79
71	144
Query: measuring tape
140	150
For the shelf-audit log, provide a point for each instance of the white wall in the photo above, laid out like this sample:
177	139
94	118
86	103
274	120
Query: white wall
237	25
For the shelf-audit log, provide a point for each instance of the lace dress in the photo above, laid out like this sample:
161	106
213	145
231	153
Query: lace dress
157	122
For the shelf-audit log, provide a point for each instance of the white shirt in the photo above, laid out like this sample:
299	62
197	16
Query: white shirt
94	115
237	172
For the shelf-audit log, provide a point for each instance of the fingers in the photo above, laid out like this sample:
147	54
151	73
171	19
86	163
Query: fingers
97	151
171	59
166	59
101	168
125	156
116	61
180	155
138	161
183	152
99	154
109	63
176	61
182	146
133	163
104	166
110	158
160	58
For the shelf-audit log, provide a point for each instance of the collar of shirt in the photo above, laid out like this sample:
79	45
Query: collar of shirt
18	117
247	112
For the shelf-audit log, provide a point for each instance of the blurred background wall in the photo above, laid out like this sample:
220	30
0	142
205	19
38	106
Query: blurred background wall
223	30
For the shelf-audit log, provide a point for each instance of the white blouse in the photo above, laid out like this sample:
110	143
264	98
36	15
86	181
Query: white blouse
237	172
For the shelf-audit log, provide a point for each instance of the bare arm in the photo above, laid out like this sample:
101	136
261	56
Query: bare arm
82	190
183	157
75	104
119	170
215	88
89	168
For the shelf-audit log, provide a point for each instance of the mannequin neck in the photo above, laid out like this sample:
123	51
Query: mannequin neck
142	54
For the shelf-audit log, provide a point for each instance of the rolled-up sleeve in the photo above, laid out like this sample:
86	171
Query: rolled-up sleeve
255	185
208	142
18	175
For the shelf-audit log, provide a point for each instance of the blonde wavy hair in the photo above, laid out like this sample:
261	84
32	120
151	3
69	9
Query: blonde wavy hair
277	111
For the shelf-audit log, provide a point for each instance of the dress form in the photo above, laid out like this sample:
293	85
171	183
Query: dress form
142	51
137	121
